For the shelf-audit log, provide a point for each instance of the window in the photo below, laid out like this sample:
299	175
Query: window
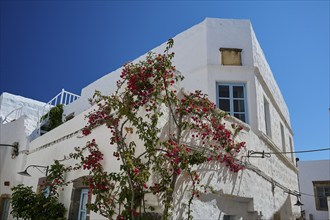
227	217
82	204
283	138
267	118
321	192
43	187
231	56
291	148
4	206
231	98
79	199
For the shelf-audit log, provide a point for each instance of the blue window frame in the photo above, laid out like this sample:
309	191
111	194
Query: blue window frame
231	98
82	204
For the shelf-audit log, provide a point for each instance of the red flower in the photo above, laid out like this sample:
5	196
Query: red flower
85	131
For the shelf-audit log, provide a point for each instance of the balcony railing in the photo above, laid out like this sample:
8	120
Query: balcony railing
63	98
16	113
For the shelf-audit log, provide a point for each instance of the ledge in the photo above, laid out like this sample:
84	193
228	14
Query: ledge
232	119
230	49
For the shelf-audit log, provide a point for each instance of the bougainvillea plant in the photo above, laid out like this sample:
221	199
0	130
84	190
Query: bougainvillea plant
195	134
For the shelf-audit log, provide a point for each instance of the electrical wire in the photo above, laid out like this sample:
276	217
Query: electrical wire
263	154
299	152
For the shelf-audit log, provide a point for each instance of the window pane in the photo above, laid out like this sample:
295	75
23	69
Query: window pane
238	91
239	106
240	116
226	217
323	203
82	204
224	91
320	191
224	105
84	201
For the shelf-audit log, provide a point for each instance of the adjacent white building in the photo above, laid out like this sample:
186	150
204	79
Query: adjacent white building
223	58
314	181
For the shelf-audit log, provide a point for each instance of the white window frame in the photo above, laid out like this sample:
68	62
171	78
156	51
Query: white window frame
231	98
82	213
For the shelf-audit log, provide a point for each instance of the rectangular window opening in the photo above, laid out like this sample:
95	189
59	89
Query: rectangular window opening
82	204
231	98
321	192
267	118
283	138
231	56
291	149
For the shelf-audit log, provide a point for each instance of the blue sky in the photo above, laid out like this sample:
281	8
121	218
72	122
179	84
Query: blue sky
49	45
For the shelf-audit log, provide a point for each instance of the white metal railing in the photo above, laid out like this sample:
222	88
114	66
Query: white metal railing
17	112
63	98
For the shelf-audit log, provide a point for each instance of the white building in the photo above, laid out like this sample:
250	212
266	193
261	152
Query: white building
314	181
220	57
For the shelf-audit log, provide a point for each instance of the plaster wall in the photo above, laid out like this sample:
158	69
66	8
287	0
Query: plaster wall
30	108
10	133
61	141
247	188
309	171
257	197
228	33
275	121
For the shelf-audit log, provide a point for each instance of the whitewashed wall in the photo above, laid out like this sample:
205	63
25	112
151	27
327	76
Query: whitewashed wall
30	108
246	188
10	133
309	171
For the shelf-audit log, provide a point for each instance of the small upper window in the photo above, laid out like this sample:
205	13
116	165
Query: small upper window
231	56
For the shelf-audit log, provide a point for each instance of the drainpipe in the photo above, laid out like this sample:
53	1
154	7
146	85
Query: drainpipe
297	159
328	198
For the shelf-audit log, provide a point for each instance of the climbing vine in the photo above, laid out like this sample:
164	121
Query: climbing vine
195	134
53	118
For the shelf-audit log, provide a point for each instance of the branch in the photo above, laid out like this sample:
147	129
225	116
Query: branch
157	149
169	104
130	182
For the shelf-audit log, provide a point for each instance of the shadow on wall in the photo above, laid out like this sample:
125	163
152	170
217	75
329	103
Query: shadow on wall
211	173
225	204
285	212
